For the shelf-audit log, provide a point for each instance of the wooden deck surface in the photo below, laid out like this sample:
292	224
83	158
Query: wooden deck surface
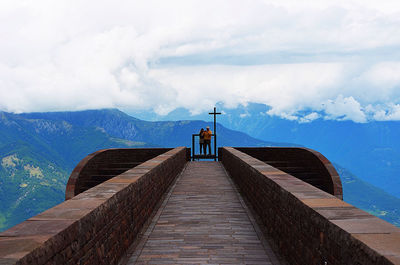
202	221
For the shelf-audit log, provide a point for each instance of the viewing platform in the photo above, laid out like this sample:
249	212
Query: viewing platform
265	205
203	220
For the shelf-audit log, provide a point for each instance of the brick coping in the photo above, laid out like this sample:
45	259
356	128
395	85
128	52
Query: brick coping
371	235
69	228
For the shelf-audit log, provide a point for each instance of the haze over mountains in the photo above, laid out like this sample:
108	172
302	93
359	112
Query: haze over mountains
369	150
39	150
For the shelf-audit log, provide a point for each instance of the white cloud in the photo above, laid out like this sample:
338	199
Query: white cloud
309	117
159	55
283	87
382	81
385	113
344	108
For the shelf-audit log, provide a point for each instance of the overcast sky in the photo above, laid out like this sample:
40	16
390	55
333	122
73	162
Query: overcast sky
305	59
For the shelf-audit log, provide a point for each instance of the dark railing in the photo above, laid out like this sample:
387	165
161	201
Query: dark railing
199	156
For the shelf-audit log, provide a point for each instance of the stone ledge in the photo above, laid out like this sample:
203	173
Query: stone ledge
306	160
310	226
92	165
98	225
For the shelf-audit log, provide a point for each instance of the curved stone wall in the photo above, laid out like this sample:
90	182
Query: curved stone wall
98	225
303	163
307	225
105	164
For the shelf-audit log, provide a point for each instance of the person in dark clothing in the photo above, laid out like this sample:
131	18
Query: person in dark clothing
201	140
207	140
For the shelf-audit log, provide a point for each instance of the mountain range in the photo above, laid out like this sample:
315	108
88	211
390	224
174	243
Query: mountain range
370	150
39	150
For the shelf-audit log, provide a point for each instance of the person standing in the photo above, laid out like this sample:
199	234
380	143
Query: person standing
201	140
207	140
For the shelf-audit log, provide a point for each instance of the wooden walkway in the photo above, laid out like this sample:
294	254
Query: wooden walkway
202	221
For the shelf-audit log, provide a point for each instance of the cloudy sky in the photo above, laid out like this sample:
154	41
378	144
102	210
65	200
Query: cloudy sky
314	58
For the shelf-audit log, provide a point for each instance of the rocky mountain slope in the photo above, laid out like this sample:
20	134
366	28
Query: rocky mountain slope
370	150
39	150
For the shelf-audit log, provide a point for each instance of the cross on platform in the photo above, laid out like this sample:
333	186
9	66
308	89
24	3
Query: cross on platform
215	113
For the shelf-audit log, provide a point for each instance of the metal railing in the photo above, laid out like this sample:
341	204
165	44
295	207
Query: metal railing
203	156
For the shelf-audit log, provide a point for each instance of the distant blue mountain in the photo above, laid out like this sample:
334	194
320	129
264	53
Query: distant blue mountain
368	197
39	150
36	158
370	150
159	133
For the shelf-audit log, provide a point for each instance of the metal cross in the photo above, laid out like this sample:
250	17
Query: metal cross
215	113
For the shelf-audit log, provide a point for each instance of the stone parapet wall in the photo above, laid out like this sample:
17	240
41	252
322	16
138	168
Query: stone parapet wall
98	225
106	164
310	226
303	163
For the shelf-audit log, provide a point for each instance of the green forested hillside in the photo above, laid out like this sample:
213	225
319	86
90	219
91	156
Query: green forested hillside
39	150
369	198
36	158
29	184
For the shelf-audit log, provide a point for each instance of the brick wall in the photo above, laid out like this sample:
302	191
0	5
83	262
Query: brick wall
303	163
308	225
98	225
106	164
